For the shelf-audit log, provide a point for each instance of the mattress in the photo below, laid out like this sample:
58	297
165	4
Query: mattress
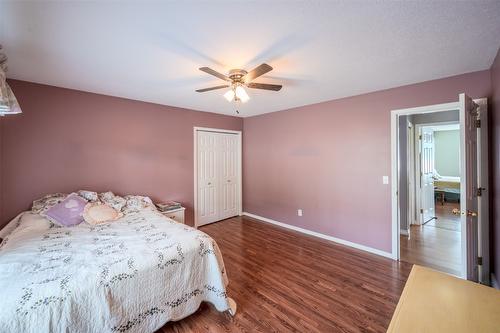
131	275
447	182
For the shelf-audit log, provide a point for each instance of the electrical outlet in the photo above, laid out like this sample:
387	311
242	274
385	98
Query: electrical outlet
299	212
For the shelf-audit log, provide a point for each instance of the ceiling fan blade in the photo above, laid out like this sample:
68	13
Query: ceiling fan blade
213	88
214	73
257	71
265	86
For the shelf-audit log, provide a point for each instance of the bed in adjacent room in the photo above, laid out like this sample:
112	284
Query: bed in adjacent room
447	188
130	275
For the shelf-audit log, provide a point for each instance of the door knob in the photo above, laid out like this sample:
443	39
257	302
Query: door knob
229	180
457	211
209	183
471	213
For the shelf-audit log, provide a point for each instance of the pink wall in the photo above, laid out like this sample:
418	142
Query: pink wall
329	159
495	166
67	140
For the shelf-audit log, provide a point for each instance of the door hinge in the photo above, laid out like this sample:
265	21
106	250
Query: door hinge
421	211
420	137
478	123
479	191
480	261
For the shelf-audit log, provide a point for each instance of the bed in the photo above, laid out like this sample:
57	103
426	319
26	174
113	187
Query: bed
447	188
131	275
447	182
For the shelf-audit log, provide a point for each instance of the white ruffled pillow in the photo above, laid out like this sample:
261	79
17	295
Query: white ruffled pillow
96	213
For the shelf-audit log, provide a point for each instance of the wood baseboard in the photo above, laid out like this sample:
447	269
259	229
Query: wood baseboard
320	235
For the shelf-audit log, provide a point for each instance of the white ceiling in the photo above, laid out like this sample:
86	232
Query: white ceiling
320	50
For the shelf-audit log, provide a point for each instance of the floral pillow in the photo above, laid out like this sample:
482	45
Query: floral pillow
112	200
88	195
135	203
43	204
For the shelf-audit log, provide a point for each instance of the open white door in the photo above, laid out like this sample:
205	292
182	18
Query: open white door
469	185
410	162
427	175
483	194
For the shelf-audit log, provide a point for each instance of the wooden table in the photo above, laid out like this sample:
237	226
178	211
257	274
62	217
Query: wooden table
440	194
437	302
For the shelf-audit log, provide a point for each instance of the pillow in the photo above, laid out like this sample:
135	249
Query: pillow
112	200
88	195
68	212
106	196
42	204
135	203
96	212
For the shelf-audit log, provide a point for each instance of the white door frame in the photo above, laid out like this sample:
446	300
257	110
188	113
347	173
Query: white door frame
410	174
453	106
418	163
195	173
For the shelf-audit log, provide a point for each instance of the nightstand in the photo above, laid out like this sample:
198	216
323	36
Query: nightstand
175	214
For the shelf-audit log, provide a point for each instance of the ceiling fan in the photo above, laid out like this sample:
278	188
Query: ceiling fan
239	78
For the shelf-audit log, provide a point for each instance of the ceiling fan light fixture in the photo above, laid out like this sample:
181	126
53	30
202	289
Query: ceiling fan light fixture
241	94
238	80
229	95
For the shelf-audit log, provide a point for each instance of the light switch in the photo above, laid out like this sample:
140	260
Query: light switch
385	180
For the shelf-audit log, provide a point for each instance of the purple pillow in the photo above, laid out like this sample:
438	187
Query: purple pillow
68	212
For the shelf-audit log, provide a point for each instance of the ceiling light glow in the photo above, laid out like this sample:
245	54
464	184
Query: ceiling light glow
229	95
241	94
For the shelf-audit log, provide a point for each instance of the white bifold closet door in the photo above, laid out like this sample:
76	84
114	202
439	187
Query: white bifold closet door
218	178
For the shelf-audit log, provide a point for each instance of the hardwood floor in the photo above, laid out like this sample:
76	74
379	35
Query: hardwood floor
437	244
285	281
445	219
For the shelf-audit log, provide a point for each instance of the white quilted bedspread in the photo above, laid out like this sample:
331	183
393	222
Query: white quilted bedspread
131	275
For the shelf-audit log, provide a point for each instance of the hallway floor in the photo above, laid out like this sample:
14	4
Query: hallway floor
437	243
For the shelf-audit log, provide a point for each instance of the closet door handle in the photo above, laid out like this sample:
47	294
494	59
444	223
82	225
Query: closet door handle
229	180
209	183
